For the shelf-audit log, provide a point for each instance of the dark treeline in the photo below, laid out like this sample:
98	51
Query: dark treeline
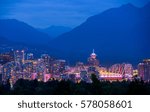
26	87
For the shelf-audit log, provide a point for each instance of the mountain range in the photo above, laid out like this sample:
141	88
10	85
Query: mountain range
118	35
17	31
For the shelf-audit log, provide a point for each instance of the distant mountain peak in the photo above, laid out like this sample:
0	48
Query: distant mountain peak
128	5
10	20
18	31
147	5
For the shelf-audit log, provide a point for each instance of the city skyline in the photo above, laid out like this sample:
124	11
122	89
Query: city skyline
17	65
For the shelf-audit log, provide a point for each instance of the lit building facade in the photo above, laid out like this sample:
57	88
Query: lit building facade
92	60
4	58
1	67
141	70
19	56
123	69
144	69
30	56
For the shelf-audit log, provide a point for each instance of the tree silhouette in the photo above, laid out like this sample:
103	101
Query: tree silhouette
97	87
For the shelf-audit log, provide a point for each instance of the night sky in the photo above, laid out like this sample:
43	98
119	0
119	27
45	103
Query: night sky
43	13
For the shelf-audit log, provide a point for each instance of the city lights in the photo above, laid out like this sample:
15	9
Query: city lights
21	65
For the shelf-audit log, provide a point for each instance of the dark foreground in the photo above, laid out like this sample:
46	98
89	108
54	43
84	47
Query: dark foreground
25	87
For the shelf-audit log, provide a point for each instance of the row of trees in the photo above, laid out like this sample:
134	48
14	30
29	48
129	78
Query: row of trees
26	87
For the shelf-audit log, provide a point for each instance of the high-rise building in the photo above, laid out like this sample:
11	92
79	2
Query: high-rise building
12	56
141	70
58	67
0	78
30	56
92	60
19	56
80	66
46	58
1	67
6	57
144	69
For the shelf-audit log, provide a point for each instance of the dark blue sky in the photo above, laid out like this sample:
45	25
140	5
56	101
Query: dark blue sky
43	13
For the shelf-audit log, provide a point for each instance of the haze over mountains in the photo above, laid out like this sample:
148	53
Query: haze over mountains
3	40
7	45
55	31
117	35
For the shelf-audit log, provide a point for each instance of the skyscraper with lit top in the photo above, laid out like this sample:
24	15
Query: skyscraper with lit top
92	60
